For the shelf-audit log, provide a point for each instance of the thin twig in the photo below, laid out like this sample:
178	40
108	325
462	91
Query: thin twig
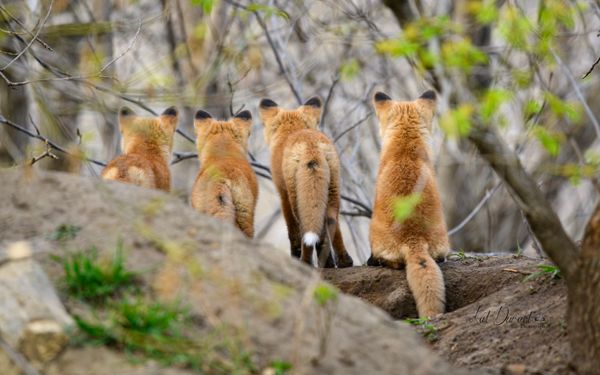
20	128
516	271
24	28
32	39
475	210
337	137
336	79
578	92
280	64
129	47
592	68
47	153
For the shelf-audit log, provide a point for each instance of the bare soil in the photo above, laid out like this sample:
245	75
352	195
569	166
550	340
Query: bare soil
495	322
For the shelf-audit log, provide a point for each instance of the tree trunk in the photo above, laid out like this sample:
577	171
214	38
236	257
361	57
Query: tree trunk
584	301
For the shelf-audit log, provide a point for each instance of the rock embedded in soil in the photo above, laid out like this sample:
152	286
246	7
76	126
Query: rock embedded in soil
32	317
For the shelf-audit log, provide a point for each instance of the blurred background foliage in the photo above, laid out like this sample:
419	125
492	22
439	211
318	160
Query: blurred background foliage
522	67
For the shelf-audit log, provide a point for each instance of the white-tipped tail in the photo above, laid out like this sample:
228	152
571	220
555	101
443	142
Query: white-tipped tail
310	238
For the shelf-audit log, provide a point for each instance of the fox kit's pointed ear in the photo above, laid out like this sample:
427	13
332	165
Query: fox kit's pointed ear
312	110
125	112
243	118
169	118
126	116
201	118
427	103
381	102
267	109
243	121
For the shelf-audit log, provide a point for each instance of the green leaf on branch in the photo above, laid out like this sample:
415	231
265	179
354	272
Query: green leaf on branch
570	110
457	122
397	47
206	5
550	140
531	108
515	28
268	11
349	69
462	54
485	12
492	100
405	206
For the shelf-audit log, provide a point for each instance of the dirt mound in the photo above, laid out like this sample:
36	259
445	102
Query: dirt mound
279	310
496	322
467	281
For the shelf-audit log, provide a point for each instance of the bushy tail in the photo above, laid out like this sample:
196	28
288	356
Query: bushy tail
312	191
426	282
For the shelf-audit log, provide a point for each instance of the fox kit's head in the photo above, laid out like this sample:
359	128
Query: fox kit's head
221	135
148	132
278	121
404	119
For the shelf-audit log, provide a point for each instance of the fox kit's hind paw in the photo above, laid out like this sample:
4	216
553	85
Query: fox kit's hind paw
381	262
344	262
373	262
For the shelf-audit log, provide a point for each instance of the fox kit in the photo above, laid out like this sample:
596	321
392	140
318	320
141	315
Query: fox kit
147	146
306	172
226	185
406	168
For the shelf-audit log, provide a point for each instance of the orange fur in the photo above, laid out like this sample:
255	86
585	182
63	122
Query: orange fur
226	186
406	168
306	172
148	143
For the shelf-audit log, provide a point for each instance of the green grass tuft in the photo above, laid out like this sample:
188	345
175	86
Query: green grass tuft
280	367
429	331
150	329
549	271
88	279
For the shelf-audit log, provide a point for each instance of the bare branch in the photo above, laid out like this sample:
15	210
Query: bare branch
592	68
18	22
335	81
337	137
129	47
280	64
33	39
47	153
475	210
580	96
48	142
543	220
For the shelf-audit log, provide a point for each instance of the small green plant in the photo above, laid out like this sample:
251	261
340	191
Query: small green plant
152	318
87	278
549	271
324	293
281	367
428	329
64	232
460	255
519	251
150	329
